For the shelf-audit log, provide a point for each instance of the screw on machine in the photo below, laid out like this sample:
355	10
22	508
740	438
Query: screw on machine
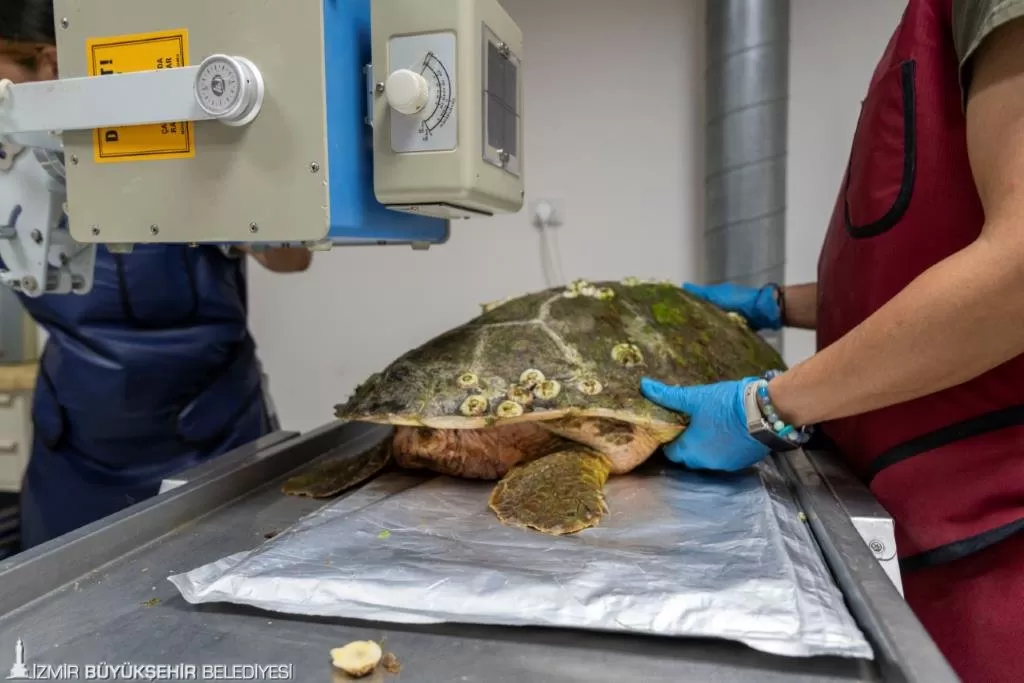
877	547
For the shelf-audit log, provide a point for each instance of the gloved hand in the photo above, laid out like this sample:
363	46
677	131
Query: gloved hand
758	306
717	438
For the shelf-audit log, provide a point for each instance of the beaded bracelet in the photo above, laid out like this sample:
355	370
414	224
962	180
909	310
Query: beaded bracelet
799	436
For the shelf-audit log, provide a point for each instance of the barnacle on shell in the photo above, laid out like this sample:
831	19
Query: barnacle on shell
627	354
531	377
473	406
509	409
548	389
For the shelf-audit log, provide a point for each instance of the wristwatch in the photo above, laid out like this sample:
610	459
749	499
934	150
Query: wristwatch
758	427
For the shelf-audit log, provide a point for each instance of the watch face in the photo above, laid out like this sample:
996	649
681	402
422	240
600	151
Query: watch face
755	420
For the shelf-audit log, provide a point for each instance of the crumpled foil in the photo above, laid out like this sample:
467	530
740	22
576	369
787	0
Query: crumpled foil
680	554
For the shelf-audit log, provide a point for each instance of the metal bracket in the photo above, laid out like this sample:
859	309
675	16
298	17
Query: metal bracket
872	522
38	252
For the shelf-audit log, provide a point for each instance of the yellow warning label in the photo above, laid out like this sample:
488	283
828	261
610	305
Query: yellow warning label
141	52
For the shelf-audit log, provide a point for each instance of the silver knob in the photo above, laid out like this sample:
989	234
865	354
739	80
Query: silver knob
229	89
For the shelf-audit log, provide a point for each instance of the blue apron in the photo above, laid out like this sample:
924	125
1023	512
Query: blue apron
151	373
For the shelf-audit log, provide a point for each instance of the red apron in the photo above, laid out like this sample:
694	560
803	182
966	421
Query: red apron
948	467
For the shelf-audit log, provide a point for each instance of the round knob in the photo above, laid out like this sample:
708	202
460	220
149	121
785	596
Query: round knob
407	91
230	89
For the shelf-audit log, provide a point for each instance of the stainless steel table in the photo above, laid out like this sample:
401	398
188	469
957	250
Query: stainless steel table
100	595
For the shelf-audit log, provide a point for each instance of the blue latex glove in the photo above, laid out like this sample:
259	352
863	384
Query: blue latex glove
717	438
758	306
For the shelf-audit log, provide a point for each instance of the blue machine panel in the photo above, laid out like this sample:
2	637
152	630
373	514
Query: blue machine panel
356	215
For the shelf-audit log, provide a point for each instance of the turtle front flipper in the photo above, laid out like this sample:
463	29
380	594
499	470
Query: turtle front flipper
561	493
335	475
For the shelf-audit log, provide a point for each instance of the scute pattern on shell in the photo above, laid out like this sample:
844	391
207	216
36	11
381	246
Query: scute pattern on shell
681	339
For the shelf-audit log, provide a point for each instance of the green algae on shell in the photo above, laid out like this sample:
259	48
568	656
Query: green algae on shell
550	347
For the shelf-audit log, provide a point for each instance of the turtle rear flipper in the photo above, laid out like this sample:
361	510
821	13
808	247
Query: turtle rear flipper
561	493
336	475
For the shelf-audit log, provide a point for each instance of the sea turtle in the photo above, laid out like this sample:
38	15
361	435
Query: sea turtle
541	393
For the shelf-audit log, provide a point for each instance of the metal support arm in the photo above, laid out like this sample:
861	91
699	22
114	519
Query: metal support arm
228	89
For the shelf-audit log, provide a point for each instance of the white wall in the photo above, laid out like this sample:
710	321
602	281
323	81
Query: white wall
614	113
834	46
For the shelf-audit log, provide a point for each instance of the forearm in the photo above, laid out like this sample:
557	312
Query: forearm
801	306
282	259
954	322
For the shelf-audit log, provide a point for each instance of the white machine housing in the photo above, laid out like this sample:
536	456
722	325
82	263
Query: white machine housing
229	122
449	107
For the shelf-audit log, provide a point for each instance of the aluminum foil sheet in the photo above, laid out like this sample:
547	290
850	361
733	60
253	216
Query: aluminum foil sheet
681	554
